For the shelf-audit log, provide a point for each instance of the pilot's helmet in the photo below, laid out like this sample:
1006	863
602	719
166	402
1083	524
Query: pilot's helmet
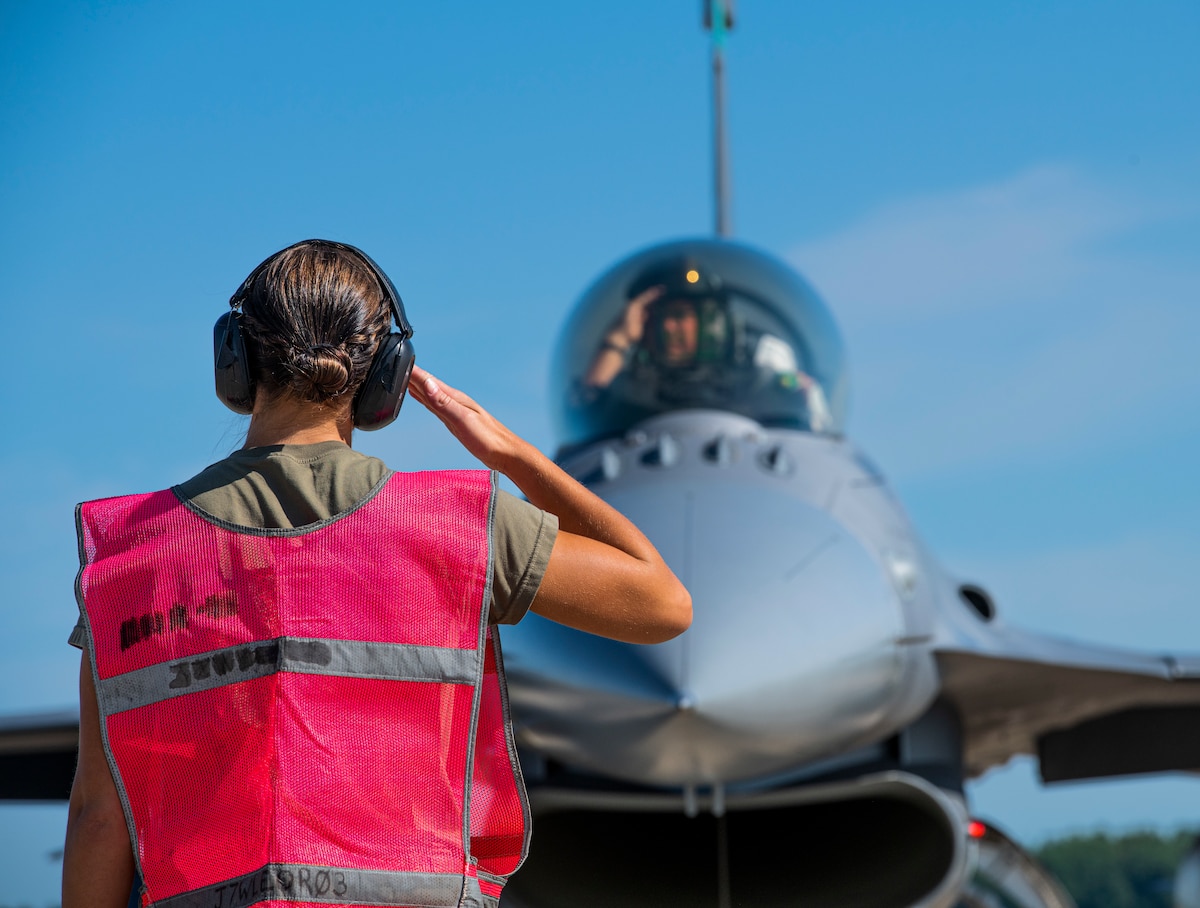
689	324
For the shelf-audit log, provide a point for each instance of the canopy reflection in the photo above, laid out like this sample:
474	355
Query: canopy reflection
698	324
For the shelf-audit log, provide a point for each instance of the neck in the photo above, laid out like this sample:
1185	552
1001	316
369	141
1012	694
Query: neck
286	420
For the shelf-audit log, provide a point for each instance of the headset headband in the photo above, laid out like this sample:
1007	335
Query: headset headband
377	401
386	287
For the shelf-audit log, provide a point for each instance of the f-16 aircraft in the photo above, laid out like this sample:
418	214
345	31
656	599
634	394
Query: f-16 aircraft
807	741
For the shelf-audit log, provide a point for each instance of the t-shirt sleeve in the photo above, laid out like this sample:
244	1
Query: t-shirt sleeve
78	636
522	539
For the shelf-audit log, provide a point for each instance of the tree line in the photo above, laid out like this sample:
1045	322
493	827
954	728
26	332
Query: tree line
1135	870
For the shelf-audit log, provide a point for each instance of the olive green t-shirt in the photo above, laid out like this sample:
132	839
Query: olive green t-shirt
289	486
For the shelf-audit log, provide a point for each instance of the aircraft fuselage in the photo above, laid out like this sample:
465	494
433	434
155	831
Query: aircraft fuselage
811	613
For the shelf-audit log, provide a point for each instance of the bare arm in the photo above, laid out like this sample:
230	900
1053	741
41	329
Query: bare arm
604	576
98	858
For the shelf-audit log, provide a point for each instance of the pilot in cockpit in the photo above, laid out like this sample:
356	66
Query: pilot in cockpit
678	344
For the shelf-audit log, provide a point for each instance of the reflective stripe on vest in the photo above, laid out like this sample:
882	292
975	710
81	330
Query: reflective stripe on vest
348	658
335	886
306	716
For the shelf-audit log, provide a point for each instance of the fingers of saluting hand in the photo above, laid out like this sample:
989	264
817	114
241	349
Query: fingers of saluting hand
649	295
430	391
480	434
640	303
442	400
634	319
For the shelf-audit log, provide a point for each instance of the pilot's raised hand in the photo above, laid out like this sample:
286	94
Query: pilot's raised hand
621	338
632	326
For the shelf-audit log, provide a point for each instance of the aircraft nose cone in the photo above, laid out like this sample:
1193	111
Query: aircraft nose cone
792	651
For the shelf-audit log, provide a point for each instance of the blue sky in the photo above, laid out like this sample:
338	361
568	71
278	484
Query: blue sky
999	202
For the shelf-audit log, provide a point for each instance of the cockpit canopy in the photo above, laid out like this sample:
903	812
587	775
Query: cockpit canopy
698	324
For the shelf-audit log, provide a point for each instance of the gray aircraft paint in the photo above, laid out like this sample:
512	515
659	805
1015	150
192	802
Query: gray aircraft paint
823	630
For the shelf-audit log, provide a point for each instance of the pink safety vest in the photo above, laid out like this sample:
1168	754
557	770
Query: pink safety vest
312	716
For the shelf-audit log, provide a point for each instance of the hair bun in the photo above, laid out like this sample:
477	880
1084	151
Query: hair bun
321	371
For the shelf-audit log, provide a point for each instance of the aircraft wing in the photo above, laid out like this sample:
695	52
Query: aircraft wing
37	756
1084	711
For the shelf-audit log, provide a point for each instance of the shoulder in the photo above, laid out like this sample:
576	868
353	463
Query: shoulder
522	540
284	485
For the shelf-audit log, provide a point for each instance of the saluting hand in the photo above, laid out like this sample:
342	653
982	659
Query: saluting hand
488	439
633	321
604	576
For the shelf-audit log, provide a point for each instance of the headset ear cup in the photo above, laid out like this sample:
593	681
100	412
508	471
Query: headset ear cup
231	364
378	401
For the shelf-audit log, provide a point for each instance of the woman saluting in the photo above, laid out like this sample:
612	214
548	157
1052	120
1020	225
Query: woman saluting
291	690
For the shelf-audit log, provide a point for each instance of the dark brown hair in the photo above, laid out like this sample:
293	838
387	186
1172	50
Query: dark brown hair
313	317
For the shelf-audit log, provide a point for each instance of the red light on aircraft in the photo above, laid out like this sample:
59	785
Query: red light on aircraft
976	830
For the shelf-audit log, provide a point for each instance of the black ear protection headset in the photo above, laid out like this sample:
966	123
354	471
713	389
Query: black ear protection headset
376	403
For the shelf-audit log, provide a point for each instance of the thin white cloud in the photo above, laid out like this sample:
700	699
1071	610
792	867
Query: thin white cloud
1011	322
1127	372
1025	237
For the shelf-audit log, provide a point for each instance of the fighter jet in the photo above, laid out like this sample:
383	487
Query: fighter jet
807	740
